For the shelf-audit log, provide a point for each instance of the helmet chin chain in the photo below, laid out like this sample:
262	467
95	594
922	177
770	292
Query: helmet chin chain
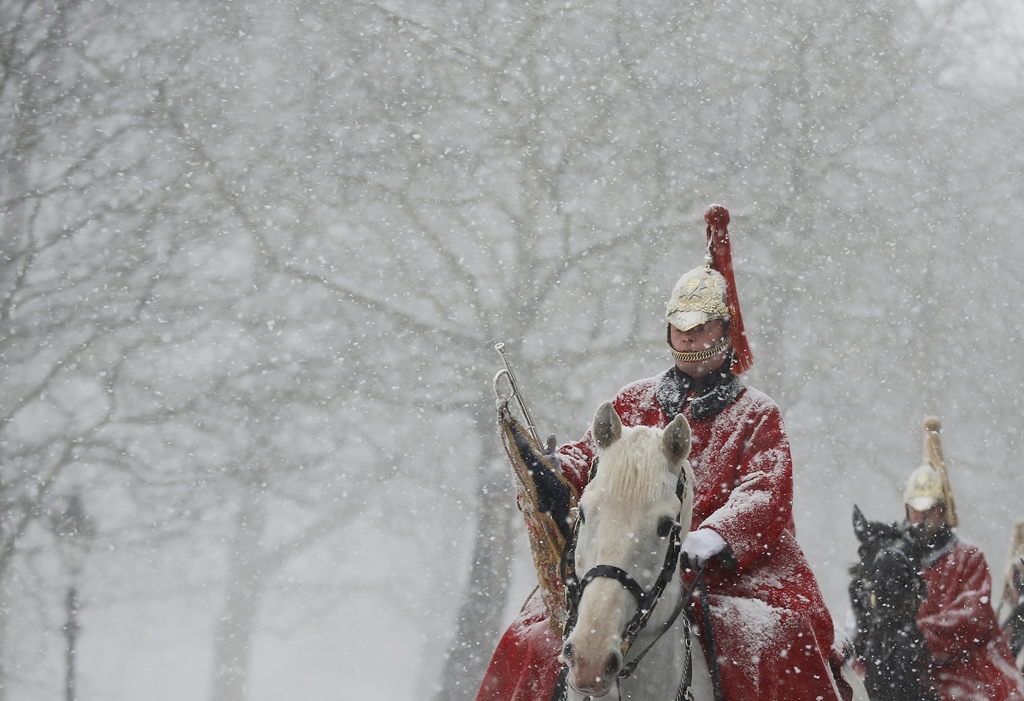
697	356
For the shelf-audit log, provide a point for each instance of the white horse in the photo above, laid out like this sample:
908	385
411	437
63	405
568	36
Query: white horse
631	518
630	521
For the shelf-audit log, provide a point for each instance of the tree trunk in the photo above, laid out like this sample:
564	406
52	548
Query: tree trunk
245	586
480	613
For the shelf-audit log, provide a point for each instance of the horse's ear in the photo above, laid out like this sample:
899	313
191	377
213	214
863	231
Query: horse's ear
676	440
607	426
860	524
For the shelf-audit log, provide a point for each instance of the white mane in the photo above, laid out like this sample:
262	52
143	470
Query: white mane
634	468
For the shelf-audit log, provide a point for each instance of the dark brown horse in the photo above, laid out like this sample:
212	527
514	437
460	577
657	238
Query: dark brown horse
886	589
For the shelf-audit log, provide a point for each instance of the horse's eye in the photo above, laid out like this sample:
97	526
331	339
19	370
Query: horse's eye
665	527
580	516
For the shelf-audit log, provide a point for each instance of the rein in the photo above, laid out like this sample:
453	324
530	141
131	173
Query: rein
630	667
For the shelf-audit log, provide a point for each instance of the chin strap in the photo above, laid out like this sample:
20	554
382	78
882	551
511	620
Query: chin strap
697	356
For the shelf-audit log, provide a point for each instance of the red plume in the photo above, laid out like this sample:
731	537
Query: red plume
717	218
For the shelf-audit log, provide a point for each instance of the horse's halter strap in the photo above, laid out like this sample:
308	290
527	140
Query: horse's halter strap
645	601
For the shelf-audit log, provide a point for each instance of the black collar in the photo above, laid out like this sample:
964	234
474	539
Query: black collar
707	396
939	543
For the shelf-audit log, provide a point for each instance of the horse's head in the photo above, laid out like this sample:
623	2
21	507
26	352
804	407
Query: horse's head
888	566
629	522
886	589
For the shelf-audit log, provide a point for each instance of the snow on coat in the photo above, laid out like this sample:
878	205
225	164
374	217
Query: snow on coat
971	660
772	629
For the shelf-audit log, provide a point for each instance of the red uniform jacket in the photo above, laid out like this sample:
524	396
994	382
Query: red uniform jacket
772	629
970	657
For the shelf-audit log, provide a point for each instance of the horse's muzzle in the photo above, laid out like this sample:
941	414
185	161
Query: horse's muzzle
590	678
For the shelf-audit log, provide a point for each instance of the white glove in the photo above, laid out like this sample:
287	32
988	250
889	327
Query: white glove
701	545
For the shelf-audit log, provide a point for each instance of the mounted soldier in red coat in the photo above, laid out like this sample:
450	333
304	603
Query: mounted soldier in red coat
773	638
969	659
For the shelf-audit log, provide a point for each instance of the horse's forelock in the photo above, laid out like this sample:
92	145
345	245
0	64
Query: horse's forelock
634	467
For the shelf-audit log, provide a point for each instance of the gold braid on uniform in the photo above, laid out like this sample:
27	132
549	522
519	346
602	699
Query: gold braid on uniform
697	356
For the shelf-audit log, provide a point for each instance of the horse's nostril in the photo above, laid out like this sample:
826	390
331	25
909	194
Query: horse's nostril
567	651
612	668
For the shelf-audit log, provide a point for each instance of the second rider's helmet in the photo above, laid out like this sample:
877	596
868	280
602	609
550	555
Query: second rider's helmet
928	484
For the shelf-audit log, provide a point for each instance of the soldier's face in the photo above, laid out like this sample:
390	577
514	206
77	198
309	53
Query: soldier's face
932	519
699	338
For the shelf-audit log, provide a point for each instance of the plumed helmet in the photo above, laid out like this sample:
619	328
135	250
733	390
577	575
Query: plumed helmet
709	291
929	483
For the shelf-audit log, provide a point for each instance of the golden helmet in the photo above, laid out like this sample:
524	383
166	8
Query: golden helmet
924	489
929	483
698	297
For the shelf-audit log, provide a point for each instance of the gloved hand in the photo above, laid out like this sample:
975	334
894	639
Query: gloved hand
551	454
552	493
701	545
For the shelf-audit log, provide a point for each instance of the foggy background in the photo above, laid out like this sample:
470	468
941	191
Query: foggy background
255	258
